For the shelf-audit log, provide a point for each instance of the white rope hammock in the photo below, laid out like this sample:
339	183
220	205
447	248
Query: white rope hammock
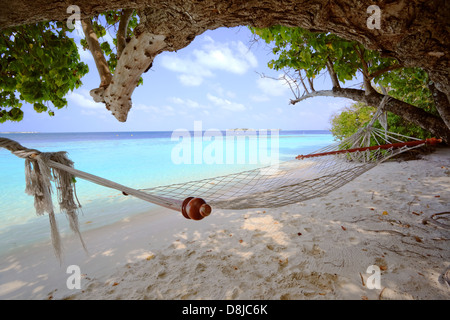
308	176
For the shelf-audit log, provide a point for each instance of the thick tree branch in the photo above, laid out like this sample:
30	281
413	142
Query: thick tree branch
122	31
408	112
311	84
97	53
381	71
301	80
441	103
136	57
334	78
365	70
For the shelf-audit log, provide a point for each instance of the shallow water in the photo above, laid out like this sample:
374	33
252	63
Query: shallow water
137	160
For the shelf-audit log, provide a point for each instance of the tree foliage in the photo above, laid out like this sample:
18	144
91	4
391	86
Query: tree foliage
308	54
350	119
301	49
109	22
39	65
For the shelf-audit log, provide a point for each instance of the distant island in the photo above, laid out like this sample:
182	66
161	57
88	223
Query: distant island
248	129
19	132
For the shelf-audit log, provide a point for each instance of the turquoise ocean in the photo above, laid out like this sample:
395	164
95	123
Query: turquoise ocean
137	160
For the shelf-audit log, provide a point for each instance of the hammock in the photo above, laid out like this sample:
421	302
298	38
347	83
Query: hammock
306	177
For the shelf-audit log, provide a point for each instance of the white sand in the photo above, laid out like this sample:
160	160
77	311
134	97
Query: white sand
319	249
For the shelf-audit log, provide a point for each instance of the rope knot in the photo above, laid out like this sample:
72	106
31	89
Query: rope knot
38	178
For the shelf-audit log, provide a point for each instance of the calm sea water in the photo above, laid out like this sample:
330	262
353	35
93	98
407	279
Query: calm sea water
137	160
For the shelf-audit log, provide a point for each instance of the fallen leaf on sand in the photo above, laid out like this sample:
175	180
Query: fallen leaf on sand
283	262
385	213
150	257
343	228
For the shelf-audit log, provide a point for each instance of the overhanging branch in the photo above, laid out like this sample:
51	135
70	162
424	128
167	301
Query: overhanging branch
408	112
380	72
122	31
97	52
332	73
441	102
136	57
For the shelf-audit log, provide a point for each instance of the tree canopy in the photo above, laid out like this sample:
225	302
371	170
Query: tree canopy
303	55
39	65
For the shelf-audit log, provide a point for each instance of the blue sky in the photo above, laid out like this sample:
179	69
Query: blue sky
216	80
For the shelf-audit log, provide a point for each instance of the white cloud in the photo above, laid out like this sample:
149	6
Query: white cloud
225	104
217	88
338	105
233	57
272	87
269	88
85	55
188	103
84	100
165	111
88	107
260	98
191	80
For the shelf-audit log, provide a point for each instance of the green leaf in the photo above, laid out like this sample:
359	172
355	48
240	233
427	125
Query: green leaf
37	63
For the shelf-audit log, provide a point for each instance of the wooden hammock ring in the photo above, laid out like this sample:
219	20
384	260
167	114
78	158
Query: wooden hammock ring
195	208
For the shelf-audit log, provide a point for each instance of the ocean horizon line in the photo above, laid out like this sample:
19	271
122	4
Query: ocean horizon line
150	131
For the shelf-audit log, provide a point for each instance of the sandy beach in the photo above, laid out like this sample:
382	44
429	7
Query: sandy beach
318	249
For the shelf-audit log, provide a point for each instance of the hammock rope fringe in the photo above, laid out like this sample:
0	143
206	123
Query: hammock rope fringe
306	177
38	178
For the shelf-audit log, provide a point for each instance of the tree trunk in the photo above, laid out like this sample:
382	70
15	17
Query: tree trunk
97	53
415	115
441	102
135	59
122	31
415	32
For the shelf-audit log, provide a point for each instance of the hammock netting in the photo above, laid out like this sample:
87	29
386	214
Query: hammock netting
291	181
